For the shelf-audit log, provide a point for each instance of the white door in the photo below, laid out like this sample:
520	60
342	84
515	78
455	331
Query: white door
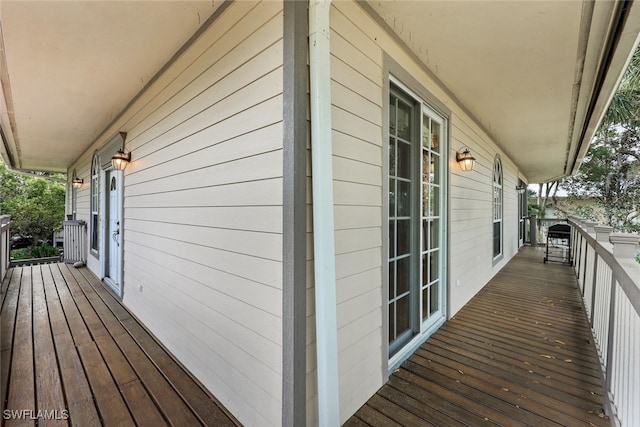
113	238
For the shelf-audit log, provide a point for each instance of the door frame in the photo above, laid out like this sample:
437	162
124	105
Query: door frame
423	98
115	284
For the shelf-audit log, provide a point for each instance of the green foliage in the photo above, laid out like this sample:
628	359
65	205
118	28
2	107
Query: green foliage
535	209
43	251
610	172
625	104
36	205
610	175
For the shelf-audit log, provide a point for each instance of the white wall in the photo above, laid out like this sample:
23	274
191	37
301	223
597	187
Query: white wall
203	209
358	46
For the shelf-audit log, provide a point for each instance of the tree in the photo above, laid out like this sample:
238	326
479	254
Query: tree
610	174
36	205
610	171
544	191
625	104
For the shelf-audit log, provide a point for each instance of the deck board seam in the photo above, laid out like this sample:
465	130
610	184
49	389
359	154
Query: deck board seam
99	292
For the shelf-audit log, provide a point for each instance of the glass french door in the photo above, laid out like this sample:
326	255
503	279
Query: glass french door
416	195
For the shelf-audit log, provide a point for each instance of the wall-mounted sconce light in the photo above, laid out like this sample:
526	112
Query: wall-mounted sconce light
465	159
120	160
77	182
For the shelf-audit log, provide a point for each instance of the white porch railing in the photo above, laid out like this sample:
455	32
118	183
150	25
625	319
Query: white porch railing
5	245
609	279
75	241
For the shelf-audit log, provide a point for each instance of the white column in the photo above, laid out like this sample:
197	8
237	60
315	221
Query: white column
323	228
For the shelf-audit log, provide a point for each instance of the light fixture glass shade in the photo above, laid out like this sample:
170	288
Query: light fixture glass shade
120	160
465	160
77	182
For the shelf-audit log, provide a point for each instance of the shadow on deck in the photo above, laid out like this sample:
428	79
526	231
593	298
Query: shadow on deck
519	353
71	351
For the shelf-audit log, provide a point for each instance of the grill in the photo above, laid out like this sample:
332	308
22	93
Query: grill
559	244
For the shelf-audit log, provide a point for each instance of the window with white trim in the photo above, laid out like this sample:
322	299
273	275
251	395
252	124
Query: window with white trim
497	208
95	203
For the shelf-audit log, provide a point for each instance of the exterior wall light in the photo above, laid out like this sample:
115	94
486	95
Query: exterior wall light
120	160
465	159
77	182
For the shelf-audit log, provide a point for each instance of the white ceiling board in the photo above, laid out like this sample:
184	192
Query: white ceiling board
73	66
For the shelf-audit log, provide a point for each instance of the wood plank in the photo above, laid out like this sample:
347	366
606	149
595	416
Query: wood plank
47	376
372	417
78	328
172	406
203	404
21	393
527	360
7	322
9	309
82	410
93	323
80	400
5	285
112	407
143	408
519	353
73	356
474	389
426	414
562	408
448	401
395	412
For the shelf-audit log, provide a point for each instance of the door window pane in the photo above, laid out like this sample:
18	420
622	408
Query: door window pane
392	322
434	297
404	198
404	120
392	198
434	271
436	134
403	275
392	157
403	237
392	280
426	303
402	315
404	160
434	233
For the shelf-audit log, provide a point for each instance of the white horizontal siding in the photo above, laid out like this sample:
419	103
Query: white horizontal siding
203	208
471	213
356	114
358	45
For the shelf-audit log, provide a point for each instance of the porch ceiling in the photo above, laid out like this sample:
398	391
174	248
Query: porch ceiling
68	68
527	71
536	75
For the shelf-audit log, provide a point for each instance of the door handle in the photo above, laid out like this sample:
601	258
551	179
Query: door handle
114	236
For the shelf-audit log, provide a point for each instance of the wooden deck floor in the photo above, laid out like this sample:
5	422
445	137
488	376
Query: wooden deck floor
71	351
519	353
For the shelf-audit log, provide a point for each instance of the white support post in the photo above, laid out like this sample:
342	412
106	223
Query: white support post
624	244
603	232
323	225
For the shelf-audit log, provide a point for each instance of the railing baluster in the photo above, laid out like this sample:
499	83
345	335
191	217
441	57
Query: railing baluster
614	303
610	334
594	286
